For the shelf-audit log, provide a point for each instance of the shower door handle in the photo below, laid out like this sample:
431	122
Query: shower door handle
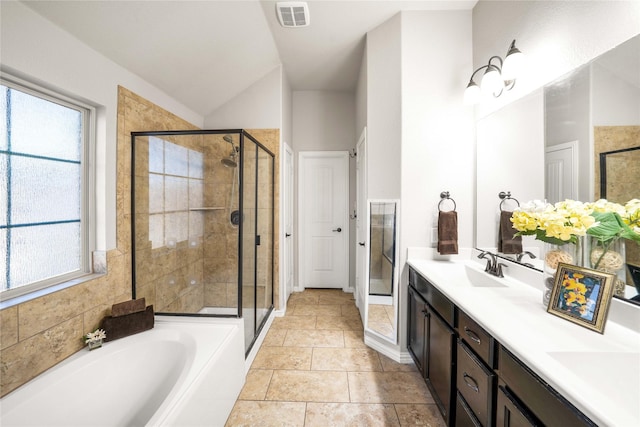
337	230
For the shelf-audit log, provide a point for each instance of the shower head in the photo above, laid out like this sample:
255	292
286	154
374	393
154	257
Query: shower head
230	161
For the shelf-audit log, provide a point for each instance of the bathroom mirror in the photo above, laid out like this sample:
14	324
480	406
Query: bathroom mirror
592	110
381	313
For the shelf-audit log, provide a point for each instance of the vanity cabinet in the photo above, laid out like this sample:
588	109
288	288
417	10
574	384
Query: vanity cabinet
416	339
474	380
431	340
532	397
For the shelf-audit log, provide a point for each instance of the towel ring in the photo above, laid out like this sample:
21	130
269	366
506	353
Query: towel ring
445	196
506	196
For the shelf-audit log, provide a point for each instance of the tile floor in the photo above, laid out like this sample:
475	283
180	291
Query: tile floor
313	369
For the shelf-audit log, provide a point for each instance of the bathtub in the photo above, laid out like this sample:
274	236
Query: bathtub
185	371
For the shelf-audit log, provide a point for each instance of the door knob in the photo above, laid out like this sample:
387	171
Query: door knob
287	234
338	230
361	243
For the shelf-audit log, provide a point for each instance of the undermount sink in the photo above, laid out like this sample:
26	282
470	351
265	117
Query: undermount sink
477	277
616	373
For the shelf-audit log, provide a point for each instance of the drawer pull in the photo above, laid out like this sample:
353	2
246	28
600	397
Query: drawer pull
468	380
474	337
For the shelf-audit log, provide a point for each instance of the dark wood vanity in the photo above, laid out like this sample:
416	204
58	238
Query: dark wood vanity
474	379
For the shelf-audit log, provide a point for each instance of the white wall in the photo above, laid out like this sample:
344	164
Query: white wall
555	36
361	96
438	133
510	143
256	107
615	101
286	119
567	110
384	114
324	121
36	50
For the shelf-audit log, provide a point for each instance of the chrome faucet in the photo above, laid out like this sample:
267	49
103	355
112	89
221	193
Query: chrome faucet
491	262
521	255
493	267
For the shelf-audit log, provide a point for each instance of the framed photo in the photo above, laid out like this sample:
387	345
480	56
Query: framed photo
581	295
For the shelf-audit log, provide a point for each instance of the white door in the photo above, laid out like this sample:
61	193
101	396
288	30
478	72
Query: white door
361	220
324	219
288	221
561	172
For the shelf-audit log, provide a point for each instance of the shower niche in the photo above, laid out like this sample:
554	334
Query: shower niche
202	208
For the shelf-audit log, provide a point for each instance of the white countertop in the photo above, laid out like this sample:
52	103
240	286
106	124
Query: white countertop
598	373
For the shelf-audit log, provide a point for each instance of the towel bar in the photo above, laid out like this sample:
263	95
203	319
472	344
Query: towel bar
506	195
445	196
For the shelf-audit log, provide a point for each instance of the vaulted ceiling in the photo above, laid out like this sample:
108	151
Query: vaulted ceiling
204	53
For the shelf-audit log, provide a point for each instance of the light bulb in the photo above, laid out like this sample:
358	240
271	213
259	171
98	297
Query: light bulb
472	94
492	83
513	63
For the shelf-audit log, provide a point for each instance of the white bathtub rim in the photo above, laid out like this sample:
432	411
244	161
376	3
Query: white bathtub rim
164	329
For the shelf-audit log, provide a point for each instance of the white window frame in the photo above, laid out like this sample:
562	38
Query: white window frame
87	190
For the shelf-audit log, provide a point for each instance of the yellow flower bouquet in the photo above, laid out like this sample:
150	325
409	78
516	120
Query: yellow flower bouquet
557	224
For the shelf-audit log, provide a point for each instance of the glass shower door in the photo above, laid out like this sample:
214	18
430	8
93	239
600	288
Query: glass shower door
264	258
249	204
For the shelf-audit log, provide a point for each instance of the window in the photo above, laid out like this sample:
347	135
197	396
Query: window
44	177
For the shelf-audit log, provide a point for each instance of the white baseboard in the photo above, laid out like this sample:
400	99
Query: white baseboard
392	353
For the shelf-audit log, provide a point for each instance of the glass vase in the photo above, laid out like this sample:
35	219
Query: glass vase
609	257
568	253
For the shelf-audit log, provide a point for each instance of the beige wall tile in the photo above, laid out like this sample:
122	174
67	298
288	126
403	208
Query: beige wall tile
8	327
28	358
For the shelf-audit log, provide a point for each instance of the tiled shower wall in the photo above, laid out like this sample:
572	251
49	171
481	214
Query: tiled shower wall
624	173
40	333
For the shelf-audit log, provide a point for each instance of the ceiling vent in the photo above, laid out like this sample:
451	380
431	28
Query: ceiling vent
293	14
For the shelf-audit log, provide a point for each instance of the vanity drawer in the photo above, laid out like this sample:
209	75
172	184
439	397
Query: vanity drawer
476	384
543	401
476	338
433	296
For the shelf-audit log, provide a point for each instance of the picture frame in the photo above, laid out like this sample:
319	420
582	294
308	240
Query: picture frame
582	295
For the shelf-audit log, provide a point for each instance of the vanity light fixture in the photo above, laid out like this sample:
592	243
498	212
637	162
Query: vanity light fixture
498	76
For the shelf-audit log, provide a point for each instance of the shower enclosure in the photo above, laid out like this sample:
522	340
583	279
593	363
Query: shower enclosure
202	208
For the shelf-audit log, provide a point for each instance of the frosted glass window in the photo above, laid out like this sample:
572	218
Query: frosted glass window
43	147
42	252
58	129
3	190
44	190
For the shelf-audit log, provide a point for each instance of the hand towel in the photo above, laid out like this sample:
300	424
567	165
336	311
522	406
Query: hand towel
448	233
507	242
128	307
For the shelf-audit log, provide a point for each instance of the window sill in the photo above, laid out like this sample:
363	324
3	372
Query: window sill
48	290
